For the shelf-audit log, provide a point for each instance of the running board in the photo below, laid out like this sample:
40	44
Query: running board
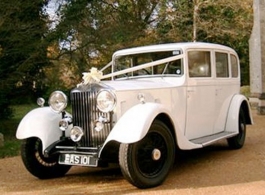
207	140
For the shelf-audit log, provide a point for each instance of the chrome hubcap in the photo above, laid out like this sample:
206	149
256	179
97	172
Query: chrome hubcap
156	154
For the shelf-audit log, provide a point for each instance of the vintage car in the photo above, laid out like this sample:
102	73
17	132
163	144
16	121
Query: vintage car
150	101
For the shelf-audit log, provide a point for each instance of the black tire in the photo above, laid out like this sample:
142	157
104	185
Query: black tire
238	141
146	163
37	164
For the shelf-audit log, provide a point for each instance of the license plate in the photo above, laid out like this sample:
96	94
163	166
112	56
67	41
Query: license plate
76	159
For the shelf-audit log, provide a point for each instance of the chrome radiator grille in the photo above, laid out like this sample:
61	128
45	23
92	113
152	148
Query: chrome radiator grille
85	113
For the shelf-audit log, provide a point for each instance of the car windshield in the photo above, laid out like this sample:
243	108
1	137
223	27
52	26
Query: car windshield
146	64
157	63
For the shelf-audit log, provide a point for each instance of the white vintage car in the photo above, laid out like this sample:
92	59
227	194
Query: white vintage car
148	102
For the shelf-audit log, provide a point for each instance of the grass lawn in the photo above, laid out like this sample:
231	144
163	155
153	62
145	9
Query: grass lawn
8	129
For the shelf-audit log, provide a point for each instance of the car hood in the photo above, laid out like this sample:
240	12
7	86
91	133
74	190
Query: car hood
139	84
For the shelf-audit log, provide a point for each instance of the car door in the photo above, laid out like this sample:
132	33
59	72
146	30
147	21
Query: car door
227	84
200	115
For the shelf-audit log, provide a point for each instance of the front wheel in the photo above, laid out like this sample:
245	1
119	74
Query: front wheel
146	163
37	164
238	141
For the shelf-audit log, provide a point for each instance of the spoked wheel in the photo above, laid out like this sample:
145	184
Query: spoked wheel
37	164
146	163
238	141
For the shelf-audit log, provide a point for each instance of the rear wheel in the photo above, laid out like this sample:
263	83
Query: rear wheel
238	141
146	163
37	164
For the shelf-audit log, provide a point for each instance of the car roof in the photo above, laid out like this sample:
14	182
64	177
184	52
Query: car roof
172	46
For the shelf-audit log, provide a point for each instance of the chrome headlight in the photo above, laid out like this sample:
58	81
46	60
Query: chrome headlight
58	101
106	101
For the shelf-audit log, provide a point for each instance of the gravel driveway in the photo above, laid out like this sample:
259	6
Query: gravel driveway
212	170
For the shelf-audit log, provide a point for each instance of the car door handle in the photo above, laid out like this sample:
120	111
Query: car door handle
217	91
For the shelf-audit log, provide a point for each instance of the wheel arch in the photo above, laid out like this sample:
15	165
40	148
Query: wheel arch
238	102
163	117
245	107
110	152
110	149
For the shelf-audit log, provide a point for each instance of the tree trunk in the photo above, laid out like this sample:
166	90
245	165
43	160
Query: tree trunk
195	18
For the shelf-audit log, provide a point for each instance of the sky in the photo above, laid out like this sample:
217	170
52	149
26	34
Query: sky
51	8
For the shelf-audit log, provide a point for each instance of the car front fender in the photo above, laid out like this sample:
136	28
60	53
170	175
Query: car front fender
135	123
42	123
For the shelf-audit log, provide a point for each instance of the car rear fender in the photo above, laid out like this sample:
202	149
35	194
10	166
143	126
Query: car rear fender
42	123
237	102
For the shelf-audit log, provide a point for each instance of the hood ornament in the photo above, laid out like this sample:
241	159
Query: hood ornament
94	76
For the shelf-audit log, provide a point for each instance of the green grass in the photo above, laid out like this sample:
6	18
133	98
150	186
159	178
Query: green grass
8	129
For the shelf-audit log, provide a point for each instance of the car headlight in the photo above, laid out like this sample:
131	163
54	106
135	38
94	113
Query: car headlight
58	101
106	101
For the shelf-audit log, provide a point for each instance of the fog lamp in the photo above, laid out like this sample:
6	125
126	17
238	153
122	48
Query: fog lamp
99	124
63	124
76	133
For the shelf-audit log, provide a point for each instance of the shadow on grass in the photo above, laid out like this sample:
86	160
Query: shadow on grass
8	128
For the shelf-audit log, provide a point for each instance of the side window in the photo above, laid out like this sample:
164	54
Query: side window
174	67
221	61
199	63
234	66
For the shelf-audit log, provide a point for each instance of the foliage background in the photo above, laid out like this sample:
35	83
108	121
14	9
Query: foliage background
46	44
